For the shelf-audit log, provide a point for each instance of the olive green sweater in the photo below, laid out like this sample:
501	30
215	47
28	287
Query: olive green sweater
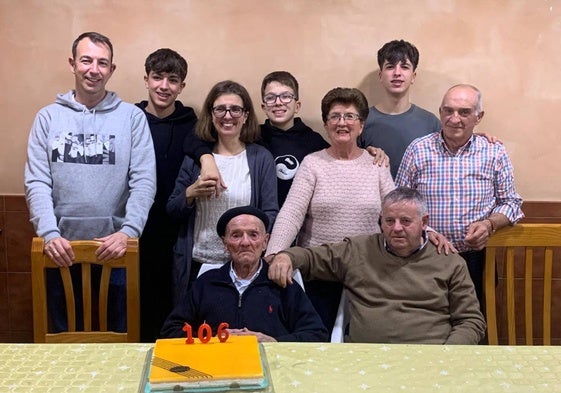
424	298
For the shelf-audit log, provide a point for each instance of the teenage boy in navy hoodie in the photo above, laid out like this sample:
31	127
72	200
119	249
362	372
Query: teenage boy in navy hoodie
287	137
171	124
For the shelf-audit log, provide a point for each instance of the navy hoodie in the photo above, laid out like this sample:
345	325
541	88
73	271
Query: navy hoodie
289	149
169	134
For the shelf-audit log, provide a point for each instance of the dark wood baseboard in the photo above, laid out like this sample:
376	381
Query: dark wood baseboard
541	212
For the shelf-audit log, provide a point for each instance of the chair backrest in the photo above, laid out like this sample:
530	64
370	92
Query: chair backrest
342	319
84	251
205	267
519	247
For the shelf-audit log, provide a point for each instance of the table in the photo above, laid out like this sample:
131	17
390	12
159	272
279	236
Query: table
298	367
413	368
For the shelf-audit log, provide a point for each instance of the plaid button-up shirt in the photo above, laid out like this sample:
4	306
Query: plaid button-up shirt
463	187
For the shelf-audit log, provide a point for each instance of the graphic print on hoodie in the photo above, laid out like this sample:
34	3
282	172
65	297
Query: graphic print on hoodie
83	148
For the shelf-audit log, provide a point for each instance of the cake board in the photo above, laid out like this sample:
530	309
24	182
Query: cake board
144	386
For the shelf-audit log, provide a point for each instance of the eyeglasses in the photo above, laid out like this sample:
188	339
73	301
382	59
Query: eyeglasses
285	98
334	118
461	112
235	111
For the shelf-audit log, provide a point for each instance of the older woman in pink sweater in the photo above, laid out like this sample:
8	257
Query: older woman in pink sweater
336	192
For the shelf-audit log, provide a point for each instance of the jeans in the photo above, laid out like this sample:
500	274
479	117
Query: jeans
56	302
475	261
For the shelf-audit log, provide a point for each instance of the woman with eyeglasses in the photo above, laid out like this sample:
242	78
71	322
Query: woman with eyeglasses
228	120
336	193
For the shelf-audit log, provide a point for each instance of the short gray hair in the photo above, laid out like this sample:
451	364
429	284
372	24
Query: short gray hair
406	194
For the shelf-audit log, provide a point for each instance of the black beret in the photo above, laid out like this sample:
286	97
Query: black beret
238	211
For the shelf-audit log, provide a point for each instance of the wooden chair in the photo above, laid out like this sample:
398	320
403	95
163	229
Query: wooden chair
531	240
84	252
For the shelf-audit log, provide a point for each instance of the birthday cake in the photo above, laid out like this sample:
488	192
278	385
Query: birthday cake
235	364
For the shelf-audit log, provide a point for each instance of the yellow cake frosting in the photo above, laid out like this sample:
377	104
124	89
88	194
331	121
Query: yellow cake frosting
236	362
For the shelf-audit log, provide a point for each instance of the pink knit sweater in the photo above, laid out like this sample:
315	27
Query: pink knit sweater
331	199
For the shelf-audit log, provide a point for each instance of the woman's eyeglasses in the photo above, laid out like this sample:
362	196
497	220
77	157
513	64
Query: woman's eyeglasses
235	111
334	118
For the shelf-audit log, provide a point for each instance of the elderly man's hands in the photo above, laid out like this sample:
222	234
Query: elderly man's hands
280	270
262	338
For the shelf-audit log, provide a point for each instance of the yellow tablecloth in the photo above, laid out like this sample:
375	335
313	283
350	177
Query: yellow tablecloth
413	368
298	367
85	368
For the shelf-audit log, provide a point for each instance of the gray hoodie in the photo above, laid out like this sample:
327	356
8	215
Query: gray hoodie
89	172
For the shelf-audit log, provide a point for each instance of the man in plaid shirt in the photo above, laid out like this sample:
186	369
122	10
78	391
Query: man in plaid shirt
467	181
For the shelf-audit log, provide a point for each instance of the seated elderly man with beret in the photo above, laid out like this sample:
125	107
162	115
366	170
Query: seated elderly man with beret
240	293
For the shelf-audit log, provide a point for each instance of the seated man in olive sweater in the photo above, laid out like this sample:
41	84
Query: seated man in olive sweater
400	289
240	293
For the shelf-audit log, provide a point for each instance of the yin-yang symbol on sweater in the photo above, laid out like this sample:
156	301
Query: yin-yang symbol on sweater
286	166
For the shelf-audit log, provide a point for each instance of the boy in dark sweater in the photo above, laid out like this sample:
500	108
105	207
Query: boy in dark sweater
172	125
287	137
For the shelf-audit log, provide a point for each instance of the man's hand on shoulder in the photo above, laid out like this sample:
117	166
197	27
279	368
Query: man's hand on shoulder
280	270
441	242
112	246
490	138
60	251
380	156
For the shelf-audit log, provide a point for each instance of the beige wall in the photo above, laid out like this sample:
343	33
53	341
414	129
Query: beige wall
510	49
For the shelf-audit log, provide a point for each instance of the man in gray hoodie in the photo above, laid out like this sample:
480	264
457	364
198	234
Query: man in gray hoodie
90	172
